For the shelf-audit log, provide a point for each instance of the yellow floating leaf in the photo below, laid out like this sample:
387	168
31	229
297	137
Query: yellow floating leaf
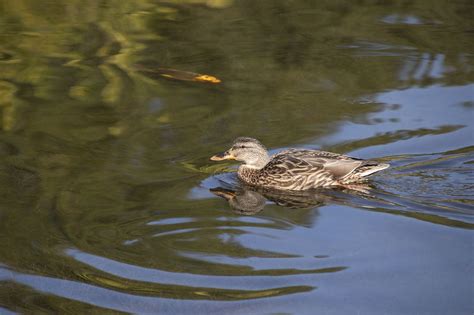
179	75
207	78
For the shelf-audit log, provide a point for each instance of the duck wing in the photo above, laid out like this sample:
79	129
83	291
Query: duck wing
301	169
311	163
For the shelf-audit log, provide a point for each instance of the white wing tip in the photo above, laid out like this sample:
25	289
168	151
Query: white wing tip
375	169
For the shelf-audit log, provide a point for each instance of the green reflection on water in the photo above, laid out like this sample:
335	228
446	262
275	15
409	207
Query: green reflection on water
92	150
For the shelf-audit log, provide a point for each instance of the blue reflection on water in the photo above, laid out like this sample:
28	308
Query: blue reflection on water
417	109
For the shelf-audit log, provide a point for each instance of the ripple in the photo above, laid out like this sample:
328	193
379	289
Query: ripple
408	19
4	311
375	49
262	285
171	221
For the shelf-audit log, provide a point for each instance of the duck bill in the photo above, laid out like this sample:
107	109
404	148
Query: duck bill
222	156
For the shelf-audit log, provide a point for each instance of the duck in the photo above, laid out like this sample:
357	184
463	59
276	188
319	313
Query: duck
296	169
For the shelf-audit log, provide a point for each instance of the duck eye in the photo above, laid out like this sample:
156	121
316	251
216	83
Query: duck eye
238	147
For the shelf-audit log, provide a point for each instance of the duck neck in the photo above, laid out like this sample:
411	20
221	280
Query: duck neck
258	162
249	172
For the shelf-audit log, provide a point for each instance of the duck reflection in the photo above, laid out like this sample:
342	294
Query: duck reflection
242	201
250	200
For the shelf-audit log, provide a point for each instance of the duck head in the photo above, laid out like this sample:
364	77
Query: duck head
247	150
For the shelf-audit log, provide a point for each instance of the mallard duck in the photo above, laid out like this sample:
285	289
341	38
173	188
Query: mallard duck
296	169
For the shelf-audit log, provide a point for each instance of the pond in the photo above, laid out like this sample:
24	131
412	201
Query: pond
109	203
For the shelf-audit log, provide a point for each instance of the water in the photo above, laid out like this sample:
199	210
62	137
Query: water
109	204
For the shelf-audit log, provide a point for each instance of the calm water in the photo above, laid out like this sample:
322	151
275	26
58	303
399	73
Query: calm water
109	204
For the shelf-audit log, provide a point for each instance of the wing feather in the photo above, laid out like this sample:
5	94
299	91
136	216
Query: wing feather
311	164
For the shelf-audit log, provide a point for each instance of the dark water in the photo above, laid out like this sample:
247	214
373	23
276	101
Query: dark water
105	201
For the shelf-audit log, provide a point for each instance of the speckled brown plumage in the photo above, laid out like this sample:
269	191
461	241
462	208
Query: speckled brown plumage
297	169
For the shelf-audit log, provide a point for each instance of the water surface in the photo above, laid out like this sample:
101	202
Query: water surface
109	204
